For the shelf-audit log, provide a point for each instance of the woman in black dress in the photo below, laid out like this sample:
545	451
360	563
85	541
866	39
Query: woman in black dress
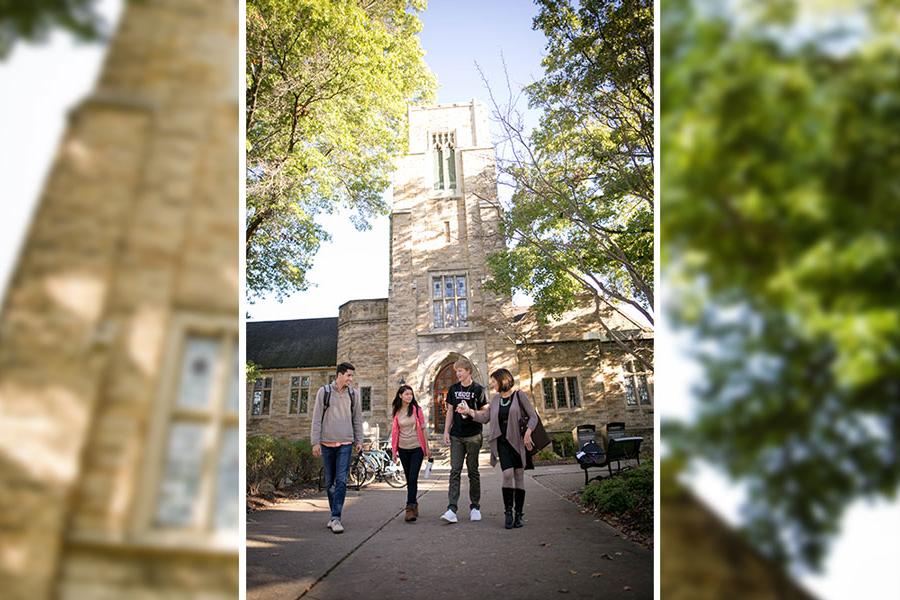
508	408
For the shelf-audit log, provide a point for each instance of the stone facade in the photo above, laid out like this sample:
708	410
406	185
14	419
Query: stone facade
132	250
440	230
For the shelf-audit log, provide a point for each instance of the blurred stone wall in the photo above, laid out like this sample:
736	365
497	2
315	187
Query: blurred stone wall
137	226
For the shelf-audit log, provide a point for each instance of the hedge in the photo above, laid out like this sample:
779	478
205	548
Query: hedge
279	461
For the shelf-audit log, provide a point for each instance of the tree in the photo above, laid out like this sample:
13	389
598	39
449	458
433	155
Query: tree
580	218
328	84
34	20
780	241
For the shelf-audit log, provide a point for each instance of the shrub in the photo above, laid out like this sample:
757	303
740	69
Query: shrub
278	461
547	454
629	494
563	444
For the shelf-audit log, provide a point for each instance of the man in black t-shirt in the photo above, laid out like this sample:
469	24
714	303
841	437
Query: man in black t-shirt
463	435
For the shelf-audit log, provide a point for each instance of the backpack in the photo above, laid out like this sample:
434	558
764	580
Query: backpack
590	454
326	401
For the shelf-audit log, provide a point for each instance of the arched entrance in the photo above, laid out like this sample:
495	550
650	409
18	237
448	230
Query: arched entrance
445	378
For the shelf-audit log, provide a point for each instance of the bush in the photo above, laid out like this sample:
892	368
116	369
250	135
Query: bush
278	461
564	445
547	454
629	494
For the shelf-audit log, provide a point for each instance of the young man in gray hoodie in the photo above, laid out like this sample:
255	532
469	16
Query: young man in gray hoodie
336	429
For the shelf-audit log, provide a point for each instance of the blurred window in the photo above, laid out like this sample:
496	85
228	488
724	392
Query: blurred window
299	402
197	486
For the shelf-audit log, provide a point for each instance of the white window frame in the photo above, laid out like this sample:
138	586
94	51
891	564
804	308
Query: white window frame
262	390
443	300
300	389
200	536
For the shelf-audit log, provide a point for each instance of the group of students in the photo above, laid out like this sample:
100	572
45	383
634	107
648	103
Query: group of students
337	429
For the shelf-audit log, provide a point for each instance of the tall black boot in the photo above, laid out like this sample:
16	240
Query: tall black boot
508	495
520	504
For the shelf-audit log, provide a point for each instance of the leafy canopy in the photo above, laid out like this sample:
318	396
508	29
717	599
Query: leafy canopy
328	84
581	214
781	246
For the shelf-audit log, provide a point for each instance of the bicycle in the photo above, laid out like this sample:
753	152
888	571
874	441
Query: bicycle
356	478
384	469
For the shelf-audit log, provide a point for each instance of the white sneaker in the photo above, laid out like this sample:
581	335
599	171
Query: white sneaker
336	527
330	523
450	516
475	515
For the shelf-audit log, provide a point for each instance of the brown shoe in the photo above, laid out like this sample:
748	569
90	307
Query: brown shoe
410	514
416	511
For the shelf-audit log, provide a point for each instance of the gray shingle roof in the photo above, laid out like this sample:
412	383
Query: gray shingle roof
293	344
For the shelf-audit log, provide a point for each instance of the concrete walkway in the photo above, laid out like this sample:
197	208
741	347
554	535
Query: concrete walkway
560	552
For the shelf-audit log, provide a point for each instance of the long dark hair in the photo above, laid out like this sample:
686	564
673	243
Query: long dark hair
398	402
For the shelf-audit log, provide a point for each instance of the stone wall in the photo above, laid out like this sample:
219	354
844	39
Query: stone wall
280	422
137	226
598	367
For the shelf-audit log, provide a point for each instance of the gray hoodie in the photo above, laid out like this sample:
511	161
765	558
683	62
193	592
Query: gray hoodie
338	425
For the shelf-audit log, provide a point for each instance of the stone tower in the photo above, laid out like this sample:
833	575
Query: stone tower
444	223
118	370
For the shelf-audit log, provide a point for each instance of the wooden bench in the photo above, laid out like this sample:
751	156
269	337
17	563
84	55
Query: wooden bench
618	449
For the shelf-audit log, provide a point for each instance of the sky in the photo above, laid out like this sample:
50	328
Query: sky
456	34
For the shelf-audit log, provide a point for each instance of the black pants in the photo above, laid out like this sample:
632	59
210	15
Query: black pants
412	462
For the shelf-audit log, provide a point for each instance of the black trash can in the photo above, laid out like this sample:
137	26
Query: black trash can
582	434
611	431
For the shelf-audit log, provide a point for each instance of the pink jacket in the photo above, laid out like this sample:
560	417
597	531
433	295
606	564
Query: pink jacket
420	431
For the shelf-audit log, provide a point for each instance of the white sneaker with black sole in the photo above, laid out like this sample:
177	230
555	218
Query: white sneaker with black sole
450	516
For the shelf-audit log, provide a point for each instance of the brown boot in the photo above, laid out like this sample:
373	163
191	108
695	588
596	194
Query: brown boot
415	511
410	514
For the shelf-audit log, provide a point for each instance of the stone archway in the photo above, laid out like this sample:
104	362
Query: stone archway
444	377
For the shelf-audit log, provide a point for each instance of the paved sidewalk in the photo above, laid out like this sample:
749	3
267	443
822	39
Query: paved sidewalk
559	552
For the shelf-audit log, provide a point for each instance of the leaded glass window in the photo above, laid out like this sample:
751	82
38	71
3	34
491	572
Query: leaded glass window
450	304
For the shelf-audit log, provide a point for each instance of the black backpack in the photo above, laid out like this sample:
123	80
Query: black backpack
590	454
326	401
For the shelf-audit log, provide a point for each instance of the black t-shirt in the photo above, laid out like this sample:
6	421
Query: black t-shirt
475	398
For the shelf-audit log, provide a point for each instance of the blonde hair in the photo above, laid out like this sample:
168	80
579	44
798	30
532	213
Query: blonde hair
463	363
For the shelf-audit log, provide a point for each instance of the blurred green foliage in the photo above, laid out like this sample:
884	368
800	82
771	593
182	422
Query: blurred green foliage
581	216
34	20
781	249
328	84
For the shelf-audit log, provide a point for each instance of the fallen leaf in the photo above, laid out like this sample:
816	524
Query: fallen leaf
606	556
573	572
596	574
627	588
618	554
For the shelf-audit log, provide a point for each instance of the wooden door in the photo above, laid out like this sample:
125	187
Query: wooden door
445	378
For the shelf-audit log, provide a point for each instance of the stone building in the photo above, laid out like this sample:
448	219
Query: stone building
118	335
444	223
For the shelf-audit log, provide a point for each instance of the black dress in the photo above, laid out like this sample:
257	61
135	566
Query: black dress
509	456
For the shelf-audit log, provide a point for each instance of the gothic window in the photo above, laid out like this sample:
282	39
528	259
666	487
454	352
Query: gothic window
366	398
299	395
443	149
262	397
198	479
637	387
560	392
450	302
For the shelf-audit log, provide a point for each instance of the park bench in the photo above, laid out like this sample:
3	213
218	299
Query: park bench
615	447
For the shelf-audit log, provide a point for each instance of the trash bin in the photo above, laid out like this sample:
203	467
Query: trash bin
582	434
611	431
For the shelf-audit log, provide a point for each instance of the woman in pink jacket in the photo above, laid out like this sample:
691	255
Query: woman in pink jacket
408	443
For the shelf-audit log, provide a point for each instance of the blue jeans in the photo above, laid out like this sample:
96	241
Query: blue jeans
412	462
337	468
